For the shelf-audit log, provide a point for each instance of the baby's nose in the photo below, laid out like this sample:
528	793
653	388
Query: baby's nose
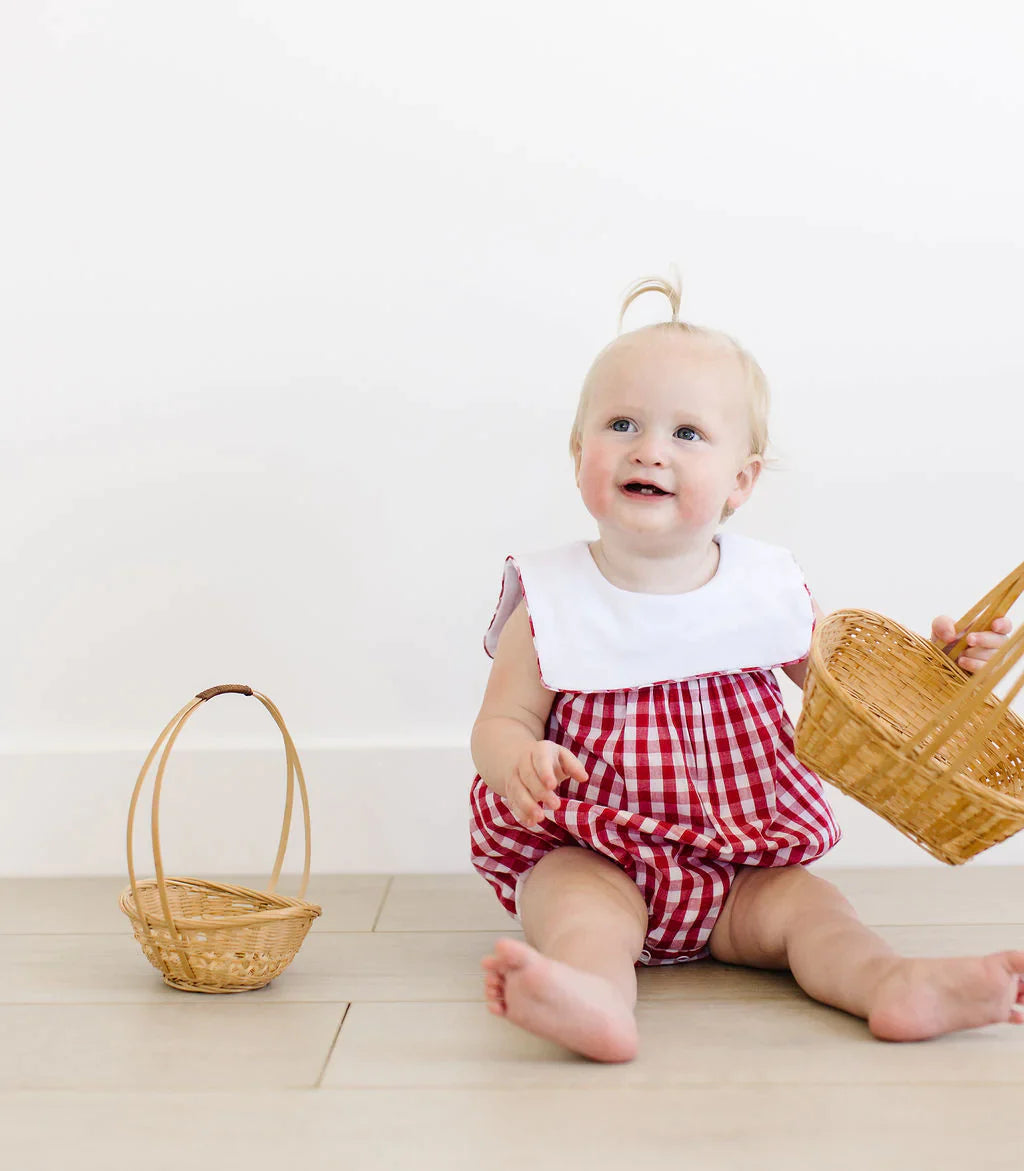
649	451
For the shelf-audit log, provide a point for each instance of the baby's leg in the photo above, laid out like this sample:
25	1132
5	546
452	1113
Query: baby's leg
574	981
785	917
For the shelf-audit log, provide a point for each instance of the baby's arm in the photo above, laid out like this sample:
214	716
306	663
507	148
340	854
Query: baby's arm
508	745
798	671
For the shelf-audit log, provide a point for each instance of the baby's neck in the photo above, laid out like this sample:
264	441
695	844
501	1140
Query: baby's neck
656	572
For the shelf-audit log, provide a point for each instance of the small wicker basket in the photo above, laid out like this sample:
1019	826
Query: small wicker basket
208	936
891	720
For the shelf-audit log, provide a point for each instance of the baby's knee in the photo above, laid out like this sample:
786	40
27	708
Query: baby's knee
576	885
575	868
796	887
761	908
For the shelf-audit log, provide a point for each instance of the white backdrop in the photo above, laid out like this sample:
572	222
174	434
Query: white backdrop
296	302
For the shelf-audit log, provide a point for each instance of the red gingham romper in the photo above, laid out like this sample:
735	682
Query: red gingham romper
688	779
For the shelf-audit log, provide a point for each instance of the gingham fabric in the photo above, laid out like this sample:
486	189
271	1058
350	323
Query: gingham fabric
687	780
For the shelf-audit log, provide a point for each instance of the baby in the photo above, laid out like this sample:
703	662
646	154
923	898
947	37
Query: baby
638	797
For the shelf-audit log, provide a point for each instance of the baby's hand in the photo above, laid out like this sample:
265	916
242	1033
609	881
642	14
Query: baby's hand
980	647
538	772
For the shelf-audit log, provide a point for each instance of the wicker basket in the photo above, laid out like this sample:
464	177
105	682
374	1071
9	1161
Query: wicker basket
208	936
891	720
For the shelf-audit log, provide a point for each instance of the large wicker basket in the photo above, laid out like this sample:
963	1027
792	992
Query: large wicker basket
891	720
209	936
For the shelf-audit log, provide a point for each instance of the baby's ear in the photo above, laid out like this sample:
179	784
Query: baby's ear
747	475
577	455
755	465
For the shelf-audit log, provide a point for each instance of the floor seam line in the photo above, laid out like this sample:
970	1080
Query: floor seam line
330	1051
383	903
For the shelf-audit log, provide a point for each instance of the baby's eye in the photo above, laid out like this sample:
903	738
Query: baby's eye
621	424
681	433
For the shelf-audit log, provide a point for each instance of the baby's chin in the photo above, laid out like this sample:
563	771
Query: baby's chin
657	539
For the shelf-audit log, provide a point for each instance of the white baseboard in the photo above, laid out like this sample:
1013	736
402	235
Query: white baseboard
374	809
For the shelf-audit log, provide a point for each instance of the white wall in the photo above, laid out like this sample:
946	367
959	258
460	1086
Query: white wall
296	302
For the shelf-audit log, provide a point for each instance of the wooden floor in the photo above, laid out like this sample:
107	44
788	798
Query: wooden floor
374	1049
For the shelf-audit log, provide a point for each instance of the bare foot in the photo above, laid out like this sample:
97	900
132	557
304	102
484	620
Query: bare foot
919	998
577	1009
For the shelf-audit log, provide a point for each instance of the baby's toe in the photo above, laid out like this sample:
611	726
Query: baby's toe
513	954
494	995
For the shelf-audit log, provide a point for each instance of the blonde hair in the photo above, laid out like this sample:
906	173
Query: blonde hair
759	395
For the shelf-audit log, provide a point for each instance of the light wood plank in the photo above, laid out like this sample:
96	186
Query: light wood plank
700	1043
194	1043
602	1128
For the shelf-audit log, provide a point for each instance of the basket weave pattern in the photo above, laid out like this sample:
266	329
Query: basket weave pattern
208	936
891	720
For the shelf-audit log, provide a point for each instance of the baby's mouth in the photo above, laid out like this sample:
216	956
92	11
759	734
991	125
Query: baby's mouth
639	488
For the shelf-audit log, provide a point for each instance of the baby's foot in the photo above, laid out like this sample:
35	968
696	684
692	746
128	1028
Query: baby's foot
577	1009
919	998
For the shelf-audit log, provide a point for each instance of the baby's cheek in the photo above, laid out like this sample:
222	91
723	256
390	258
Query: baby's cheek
595	488
697	506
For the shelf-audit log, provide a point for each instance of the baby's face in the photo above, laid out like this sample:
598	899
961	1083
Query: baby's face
666	436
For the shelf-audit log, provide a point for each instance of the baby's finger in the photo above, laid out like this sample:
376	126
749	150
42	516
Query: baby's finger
550	800
571	765
544	766
545	793
1002	626
985	640
540	781
943	630
524	808
974	660
528	818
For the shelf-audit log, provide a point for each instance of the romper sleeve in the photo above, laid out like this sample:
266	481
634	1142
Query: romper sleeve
512	593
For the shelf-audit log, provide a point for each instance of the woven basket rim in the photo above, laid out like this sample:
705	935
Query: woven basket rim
288	907
842	616
966	785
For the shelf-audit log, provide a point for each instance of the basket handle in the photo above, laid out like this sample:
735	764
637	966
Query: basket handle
225	689
950	719
993	605
170	734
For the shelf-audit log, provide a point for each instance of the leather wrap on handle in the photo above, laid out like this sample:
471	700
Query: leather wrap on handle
225	689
